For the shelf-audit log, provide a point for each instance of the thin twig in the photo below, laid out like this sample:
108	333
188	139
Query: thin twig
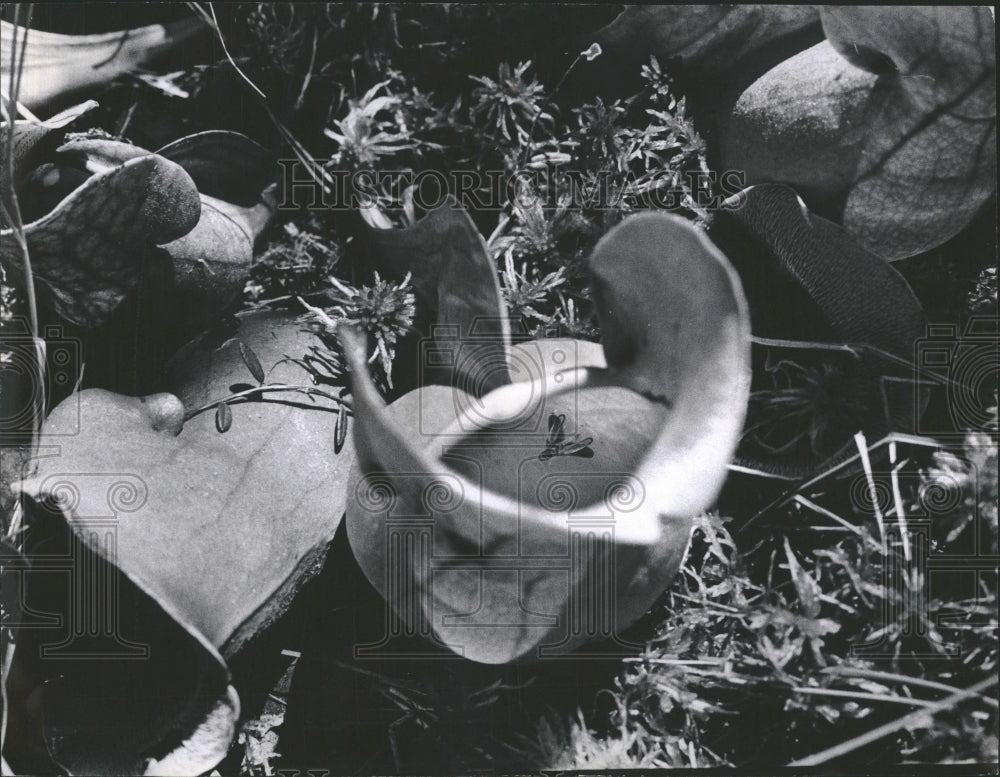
225	49
312	61
911	719
13	216
872	674
17	227
247	393
862	696
541	111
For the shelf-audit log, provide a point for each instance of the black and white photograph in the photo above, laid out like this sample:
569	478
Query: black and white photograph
498	389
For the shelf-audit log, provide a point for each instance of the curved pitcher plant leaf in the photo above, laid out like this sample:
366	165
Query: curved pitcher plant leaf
83	252
58	66
791	126
903	147
217	530
104	631
225	165
459	294
232	173
808	279
29	135
84	246
575	476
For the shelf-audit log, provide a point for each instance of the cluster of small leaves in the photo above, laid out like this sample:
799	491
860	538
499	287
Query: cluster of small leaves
573	745
10	300
580	171
278	34
373	128
384	310
982	299
509	107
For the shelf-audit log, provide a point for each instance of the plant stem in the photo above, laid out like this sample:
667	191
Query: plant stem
860	695
872	674
246	394
910	719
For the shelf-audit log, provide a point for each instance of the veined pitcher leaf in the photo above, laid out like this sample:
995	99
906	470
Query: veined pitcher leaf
808	279
224	164
84	248
120	676
929	157
28	135
83	252
889	125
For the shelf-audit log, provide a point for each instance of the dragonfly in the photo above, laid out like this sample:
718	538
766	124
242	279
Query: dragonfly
557	444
